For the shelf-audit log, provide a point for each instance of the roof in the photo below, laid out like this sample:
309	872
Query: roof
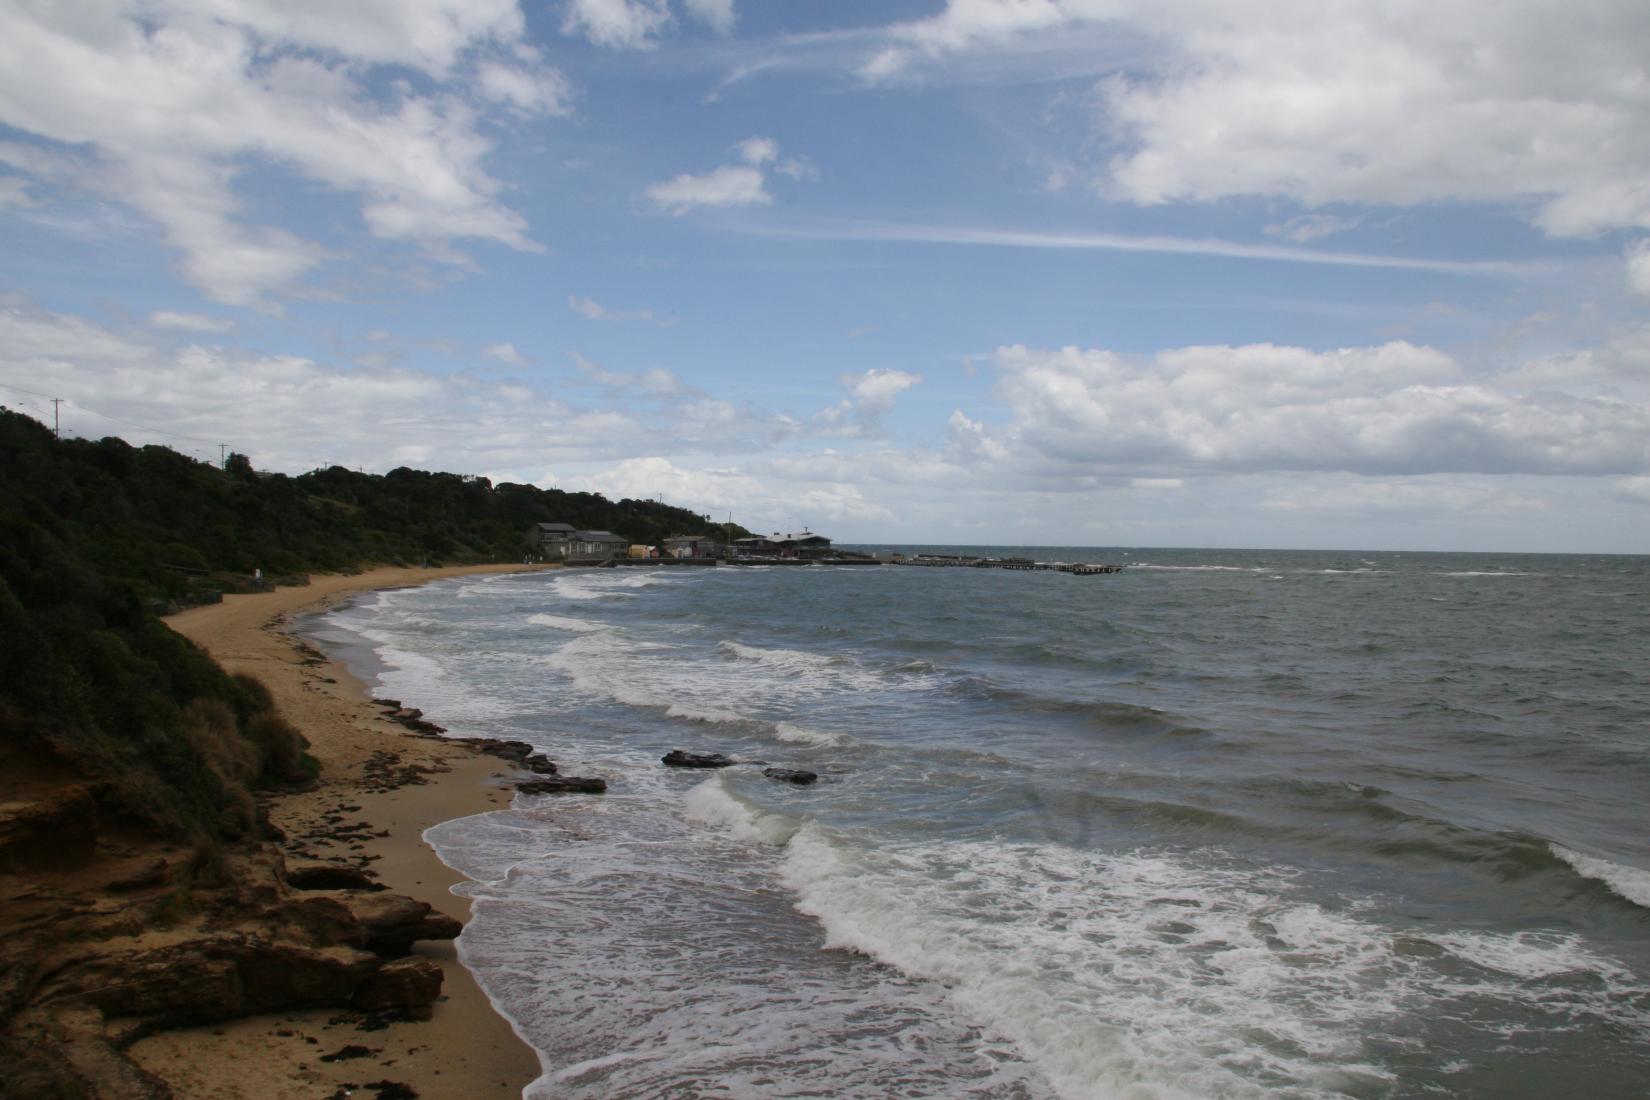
556	527
778	537
599	536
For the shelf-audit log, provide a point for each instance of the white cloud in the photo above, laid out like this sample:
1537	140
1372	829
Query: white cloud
733	184
656	382
14	192
1634	489
173	101
757	501
759	150
620	24
1393	409
189	322
718	15
1397	103
871	397
1638	267
532	90
1306	228
506	353
291	412
1366	499
593	310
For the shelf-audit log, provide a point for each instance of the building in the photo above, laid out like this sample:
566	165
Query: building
563	542
596	544
692	546
795	544
549	540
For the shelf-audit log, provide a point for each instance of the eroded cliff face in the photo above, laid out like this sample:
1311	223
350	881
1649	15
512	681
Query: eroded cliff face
107	935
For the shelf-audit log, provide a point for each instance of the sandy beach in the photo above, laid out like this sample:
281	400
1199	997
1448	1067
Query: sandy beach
465	1049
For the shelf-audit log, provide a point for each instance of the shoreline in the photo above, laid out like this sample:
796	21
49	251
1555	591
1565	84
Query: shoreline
467	1048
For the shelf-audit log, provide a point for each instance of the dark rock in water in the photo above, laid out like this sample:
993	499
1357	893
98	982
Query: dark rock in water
563	784
791	775
540	763
514	751
676	758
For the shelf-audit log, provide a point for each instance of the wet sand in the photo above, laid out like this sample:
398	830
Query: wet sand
466	1049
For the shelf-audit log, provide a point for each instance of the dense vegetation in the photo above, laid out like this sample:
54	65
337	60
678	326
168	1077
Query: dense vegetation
96	536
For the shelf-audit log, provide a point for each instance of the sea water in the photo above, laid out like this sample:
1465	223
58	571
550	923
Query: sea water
1226	824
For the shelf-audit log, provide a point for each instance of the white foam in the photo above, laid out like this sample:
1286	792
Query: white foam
645	959
802	735
1632	883
1143	974
1117	976
563	622
1488	573
789	660
1529	956
710	804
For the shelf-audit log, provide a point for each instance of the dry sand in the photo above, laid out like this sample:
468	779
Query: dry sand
466	1049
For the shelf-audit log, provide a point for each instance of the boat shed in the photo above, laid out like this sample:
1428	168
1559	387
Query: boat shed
782	544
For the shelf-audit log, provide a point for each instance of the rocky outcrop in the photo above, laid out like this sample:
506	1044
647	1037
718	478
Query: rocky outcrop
87	981
677	758
792	775
514	751
540	764
52	830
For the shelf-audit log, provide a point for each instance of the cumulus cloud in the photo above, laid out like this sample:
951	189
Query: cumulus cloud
189	322
757	502
292	412
1392	409
1398	103
619	24
164	104
732	184
718	15
871	396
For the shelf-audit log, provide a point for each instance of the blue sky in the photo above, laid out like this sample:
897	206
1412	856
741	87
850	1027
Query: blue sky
1093	272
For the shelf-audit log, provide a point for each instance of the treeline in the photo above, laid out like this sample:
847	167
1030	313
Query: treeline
94	535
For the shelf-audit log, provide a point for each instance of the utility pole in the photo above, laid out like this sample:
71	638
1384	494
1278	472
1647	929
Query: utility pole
223	456
57	427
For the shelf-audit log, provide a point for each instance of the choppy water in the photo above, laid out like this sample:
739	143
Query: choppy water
1227	824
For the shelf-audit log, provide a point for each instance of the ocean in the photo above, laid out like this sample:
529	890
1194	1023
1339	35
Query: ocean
1225	824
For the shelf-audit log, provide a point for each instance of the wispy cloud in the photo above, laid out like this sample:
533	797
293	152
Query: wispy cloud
1120	242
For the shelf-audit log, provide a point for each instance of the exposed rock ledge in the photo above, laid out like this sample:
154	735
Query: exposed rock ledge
176	938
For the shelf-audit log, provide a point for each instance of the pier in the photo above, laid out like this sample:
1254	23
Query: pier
959	561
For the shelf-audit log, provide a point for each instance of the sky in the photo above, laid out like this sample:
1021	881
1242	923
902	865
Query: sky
1284	273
